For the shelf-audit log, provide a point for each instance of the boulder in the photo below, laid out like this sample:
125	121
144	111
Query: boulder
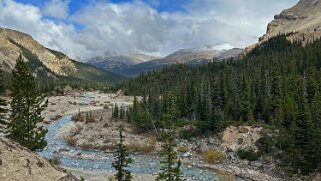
202	147
241	137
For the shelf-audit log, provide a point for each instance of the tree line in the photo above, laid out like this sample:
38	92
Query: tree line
277	85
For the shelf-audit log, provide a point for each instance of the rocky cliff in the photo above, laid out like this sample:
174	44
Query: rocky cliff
301	22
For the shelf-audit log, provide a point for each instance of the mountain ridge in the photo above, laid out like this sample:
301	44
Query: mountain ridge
301	22
124	66
44	61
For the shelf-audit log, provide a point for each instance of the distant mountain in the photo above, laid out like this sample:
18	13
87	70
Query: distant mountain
127	66
183	56
301	22
118	64
45	62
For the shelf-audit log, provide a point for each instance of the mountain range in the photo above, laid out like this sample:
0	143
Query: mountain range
129	66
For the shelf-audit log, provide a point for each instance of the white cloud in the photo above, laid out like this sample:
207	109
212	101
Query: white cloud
138	27
57	8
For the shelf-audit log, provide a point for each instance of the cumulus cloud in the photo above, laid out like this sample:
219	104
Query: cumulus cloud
138	27
120	28
56	8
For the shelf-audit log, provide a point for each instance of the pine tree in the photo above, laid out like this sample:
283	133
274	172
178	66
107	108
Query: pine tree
170	170
27	105
115	113
3	110
122	160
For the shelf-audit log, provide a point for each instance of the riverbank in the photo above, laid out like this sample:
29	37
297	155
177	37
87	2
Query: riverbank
102	133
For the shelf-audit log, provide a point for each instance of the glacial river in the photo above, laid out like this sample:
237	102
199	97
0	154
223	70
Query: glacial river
79	159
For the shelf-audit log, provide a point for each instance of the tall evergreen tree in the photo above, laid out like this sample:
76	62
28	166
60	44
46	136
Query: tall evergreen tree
122	160
27	105
170	170
115	112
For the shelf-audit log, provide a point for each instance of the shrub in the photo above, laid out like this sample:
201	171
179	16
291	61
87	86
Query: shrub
143	147
187	134
213	156
249	155
90	118
265	144
78	117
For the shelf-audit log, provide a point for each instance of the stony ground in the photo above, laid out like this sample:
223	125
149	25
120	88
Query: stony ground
73	102
20	164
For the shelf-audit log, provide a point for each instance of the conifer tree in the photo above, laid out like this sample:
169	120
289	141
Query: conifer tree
115	113
122	160
3	110
170	170
27	105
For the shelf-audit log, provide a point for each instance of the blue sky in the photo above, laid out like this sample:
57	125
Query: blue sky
87	28
160	5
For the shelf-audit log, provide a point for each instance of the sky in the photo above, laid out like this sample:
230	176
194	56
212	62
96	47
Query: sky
83	29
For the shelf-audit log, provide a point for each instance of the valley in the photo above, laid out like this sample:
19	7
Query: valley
157	90
86	148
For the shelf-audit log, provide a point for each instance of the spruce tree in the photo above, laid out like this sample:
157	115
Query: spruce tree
170	170
3	110
115	113
27	105
122	160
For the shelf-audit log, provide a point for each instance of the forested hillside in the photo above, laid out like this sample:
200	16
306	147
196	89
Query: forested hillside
277	85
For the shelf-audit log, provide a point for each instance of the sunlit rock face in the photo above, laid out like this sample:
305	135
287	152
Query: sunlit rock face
12	41
241	137
302	22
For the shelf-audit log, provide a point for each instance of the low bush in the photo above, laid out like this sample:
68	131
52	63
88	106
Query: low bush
78	117
143	147
188	134
249	155
213	156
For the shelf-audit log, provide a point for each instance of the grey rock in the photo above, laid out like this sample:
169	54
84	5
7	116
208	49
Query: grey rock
69	177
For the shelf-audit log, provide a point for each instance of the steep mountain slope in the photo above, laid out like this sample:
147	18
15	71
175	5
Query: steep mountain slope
45	62
302	22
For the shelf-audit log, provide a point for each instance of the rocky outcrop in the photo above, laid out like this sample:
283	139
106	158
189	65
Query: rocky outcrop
241	137
20	164
302	22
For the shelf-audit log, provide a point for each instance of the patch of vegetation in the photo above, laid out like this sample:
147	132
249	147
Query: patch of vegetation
78	117
213	156
147	146
249	155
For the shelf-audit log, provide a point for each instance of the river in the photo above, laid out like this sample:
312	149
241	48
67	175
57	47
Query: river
73	158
